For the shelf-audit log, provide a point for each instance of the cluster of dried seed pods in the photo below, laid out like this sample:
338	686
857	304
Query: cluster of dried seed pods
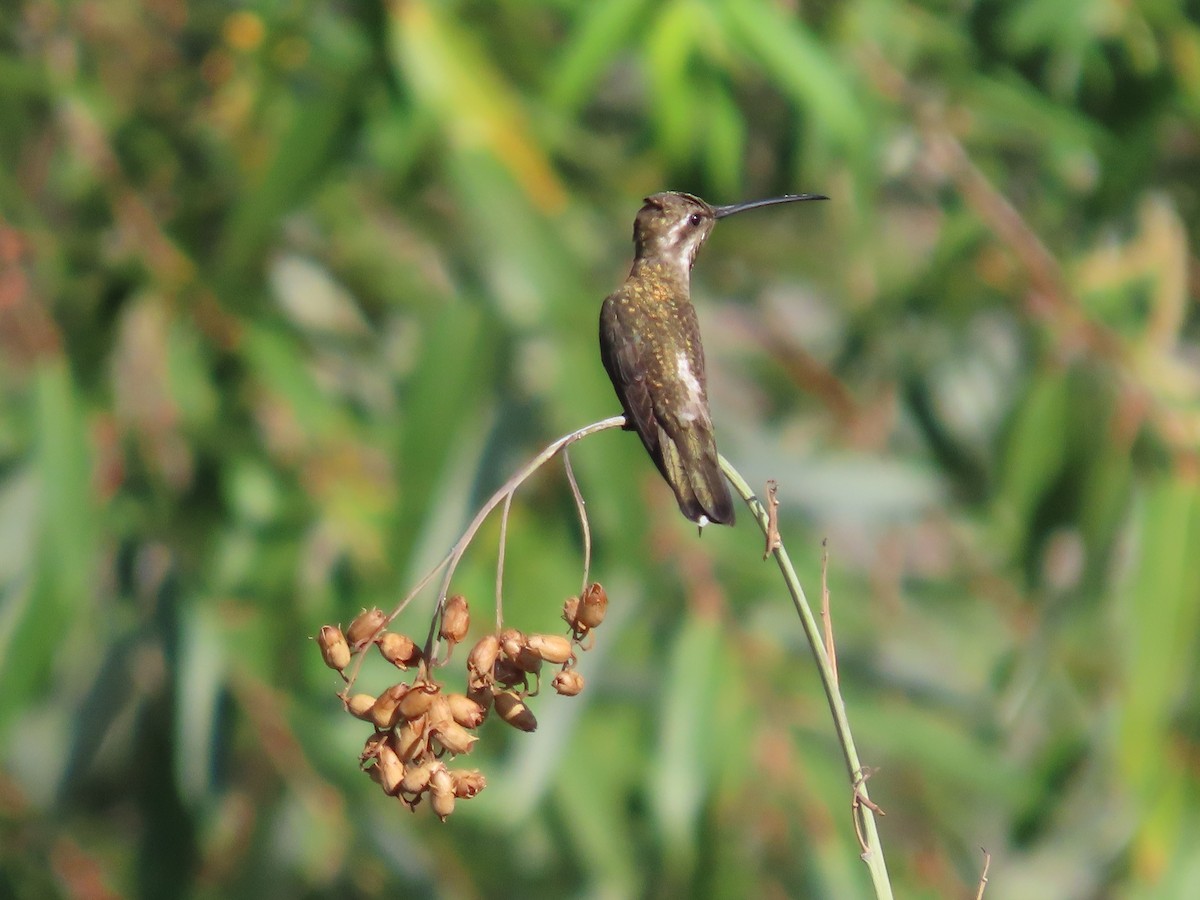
418	725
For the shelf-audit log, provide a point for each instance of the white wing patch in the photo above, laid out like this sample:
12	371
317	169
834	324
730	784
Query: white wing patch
693	409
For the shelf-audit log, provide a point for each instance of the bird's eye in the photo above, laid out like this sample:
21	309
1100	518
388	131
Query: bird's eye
694	219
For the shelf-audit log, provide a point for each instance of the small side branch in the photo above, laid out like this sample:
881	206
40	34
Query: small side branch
503	545
773	541
861	801
583	519
983	876
826	616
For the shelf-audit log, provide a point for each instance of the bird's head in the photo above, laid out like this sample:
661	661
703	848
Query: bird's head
673	225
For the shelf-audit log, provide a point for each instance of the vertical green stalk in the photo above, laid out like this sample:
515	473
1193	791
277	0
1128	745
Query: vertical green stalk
873	856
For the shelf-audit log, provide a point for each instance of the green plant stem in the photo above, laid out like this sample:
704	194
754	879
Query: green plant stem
873	855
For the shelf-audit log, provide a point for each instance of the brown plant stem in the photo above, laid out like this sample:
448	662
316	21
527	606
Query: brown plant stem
503	494
583	519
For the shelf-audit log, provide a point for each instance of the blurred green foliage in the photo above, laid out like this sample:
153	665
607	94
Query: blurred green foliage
286	289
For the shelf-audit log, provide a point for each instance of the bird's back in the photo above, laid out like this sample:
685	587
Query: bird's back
650	346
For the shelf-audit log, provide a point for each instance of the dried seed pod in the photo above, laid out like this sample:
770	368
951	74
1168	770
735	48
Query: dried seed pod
334	649
364	626
509	674
482	660
512	709
399	649
568	682
453	738
467	783
553	648
441	791
409	739
528	661
456	619
592	606
386	711
391	770
360	705
571	612
512	642
418	700
371	747
439	777
482	697
465	711
439	712
416	778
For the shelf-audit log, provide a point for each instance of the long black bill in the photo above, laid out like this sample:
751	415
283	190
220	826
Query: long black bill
721	211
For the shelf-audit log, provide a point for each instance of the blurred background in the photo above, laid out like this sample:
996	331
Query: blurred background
287	289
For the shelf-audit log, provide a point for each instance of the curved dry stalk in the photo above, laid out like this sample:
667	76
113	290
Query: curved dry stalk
584	526
449	562
503	543
504	492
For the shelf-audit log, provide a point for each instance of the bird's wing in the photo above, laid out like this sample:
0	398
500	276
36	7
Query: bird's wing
687	450
689	407
629	363
674	425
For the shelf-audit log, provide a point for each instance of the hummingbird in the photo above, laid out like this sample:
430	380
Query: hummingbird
650	345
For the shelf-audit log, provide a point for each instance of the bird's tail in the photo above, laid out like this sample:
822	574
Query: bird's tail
694	473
